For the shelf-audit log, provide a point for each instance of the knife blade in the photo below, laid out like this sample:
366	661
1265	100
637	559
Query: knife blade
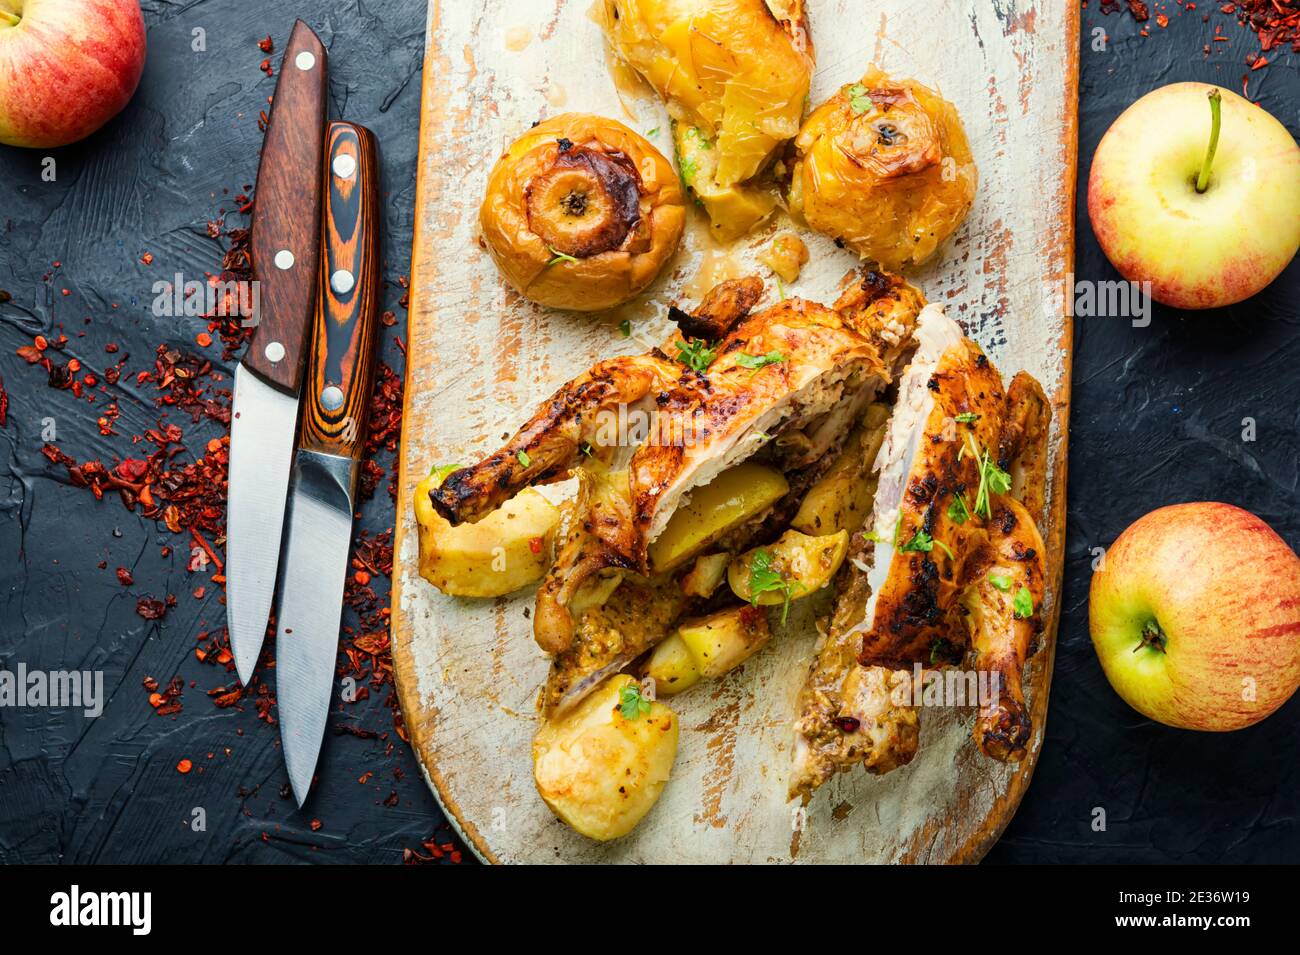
336	395
286	258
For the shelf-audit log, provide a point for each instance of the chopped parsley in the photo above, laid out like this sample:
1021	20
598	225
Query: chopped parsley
625	327
1023	604
968	417
440	471
559	256
523	458
652	132
921	541
958	512
688	168
756	362
992	479
585	449
999	581
859	101
696	355
694	133
632	703
764	579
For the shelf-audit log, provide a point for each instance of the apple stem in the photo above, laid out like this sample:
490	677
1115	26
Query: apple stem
1203	179
1153	637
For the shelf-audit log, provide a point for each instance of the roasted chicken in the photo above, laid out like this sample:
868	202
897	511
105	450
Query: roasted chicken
952	566
783	386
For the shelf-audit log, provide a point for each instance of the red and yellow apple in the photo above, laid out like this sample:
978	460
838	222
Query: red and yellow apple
1206	248
1195	616
66	67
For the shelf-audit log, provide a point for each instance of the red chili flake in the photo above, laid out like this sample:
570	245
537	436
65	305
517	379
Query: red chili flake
4	404
316	825
535	545
361	577
29	353
150	608
364	778
203	339
184	766
266	68
147	258
266	45
124	577
847	724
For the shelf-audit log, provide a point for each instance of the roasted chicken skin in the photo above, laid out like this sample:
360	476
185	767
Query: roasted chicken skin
952	561
567	427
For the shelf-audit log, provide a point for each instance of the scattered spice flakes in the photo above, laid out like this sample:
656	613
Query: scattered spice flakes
124	577
165	702
442	847
4	404
266	67
146	259
151	608
1275	22
184	766
266	44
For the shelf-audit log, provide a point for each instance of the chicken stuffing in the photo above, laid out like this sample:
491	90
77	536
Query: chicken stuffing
951	567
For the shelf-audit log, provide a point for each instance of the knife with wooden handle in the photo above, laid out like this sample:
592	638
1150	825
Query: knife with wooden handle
336	397
264	414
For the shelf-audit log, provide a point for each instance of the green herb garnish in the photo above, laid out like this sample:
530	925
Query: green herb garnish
992	479
1023	604
967	417
999	581
688	168
632	703
764	579
653	132
523	458
958	512
859	101
625	327
921	541
559	256
745	360
440	471
696	355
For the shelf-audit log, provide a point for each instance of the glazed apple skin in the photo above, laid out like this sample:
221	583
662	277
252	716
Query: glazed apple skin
1225	589
1198	250
66	68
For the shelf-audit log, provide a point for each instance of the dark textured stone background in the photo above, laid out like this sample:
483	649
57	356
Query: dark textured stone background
1157	419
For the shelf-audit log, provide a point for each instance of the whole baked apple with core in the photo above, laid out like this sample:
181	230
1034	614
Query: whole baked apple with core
1197	191
66	67
1195	616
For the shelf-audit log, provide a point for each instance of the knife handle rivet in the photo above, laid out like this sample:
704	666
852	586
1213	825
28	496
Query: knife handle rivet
342	281
331	398
284	260
304	60
344	166
274	352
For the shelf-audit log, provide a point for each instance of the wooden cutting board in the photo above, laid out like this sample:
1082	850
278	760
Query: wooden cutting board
480	358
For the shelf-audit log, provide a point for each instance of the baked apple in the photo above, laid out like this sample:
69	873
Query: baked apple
734	75
581	213
884	168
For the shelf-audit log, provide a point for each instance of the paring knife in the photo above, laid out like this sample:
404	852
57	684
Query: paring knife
336	395
286	257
